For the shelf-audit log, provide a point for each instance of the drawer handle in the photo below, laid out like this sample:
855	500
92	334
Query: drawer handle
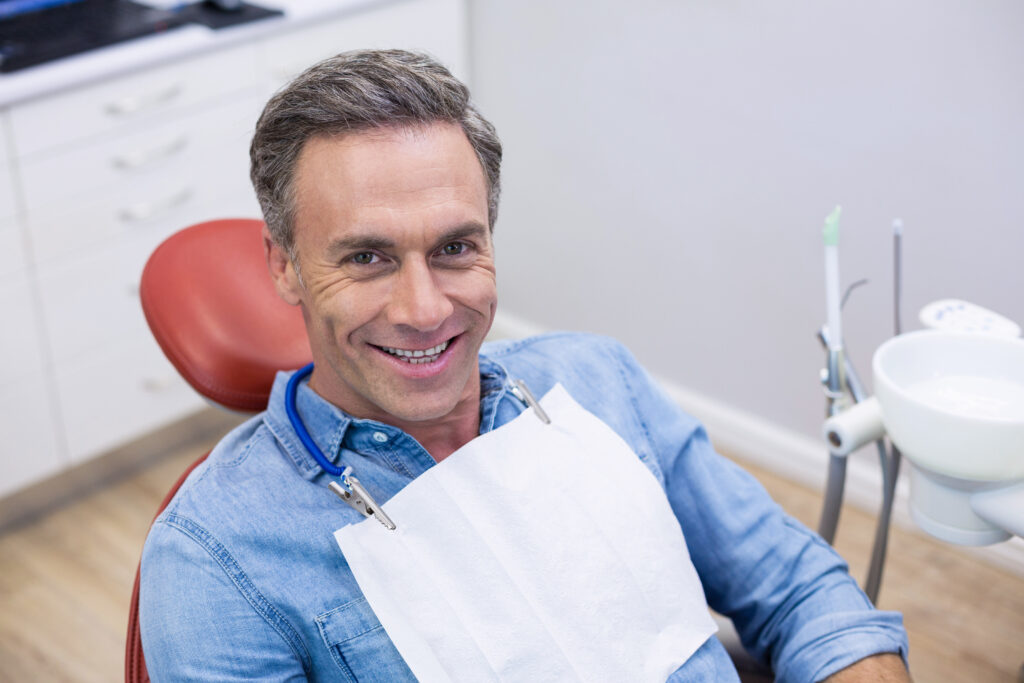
142	158
145	211
137	103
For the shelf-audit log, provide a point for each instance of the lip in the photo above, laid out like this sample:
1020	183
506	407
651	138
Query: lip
422	370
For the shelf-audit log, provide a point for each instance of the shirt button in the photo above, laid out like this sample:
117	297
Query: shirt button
380	437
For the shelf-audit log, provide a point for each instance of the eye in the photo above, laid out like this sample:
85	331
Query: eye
453	248
364	258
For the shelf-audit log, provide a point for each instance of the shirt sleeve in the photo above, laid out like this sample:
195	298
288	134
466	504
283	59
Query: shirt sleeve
197	623
788	592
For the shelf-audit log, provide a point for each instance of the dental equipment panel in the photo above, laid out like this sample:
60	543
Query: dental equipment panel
961	316
951	398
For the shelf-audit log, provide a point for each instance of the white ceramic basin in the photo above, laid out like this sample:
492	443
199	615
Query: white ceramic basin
954	402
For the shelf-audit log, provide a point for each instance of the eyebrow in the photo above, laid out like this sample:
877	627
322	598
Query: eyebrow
463	231
359	242
371	241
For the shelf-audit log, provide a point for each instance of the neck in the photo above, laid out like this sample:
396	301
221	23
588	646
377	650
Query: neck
443	437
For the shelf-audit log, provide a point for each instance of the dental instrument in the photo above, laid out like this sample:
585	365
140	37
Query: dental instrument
840	377
832	302
834	375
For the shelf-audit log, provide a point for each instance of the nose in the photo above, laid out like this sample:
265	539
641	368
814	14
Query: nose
416	300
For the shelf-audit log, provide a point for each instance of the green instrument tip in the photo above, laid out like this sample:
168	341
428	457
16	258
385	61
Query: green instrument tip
831	231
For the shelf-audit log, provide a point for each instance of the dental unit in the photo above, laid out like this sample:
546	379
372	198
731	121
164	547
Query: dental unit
950	398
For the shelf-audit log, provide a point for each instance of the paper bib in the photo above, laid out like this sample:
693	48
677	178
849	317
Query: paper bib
534	553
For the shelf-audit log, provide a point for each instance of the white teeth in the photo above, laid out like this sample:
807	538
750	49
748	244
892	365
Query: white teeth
420	355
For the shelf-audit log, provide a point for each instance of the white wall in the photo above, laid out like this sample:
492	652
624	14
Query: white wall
669	166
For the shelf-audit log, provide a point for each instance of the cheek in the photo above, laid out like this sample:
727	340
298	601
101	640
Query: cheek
341	313
475	291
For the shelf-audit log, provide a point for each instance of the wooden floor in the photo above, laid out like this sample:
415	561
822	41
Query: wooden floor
65	582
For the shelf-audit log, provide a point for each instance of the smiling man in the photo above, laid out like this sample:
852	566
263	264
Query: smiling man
397	280
379	183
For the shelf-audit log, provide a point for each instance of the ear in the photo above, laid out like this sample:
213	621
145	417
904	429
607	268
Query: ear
282	271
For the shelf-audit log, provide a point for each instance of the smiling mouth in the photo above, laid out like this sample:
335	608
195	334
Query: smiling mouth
418	356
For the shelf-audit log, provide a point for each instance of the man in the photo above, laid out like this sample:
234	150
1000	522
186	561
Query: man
379	183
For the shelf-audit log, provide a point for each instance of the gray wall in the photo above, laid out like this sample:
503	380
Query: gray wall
669	166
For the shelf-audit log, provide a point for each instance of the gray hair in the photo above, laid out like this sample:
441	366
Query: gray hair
355	92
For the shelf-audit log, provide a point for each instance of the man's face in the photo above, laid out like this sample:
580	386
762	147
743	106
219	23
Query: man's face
396	270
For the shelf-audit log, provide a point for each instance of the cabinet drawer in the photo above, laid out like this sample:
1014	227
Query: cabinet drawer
130	101
29	450
90	299
118	394
20	353
92	302
437	26
202	146
157	212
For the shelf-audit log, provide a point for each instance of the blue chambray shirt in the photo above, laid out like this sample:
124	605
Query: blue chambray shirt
242	579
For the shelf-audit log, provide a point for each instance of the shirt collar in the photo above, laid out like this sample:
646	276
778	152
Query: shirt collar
328	425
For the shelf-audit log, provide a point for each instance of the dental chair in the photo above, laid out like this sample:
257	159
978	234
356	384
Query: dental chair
213	309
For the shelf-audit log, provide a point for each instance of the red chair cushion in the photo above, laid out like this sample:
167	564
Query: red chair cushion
210	303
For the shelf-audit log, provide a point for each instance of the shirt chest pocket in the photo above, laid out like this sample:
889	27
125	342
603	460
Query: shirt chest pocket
359	645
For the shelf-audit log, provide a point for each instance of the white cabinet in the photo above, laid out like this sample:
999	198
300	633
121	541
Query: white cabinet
438	27
93	178
8	206
10	236
120	390
30	450
29	441
106	173
21	354
153	181
134	101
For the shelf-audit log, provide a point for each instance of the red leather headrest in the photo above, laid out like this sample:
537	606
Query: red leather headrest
212	307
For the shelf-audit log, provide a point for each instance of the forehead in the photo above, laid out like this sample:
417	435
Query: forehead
387	177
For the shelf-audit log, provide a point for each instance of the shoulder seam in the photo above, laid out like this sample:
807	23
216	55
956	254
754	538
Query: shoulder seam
211	463
507	346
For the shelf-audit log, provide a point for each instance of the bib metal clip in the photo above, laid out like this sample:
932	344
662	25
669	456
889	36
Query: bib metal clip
352	492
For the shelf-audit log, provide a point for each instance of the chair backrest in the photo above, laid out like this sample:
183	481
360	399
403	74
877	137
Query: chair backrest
212	307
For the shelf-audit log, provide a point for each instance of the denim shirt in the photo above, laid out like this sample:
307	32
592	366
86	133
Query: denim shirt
242	578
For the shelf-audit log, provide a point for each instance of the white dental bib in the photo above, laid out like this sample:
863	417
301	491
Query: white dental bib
536	552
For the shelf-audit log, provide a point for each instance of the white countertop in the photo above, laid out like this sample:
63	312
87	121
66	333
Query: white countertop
158	49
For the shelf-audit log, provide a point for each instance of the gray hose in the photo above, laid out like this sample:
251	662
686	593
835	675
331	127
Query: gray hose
834	486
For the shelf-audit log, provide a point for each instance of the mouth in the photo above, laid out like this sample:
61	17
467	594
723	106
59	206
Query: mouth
418	356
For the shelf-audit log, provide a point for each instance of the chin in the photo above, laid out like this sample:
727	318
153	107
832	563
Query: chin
413	411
